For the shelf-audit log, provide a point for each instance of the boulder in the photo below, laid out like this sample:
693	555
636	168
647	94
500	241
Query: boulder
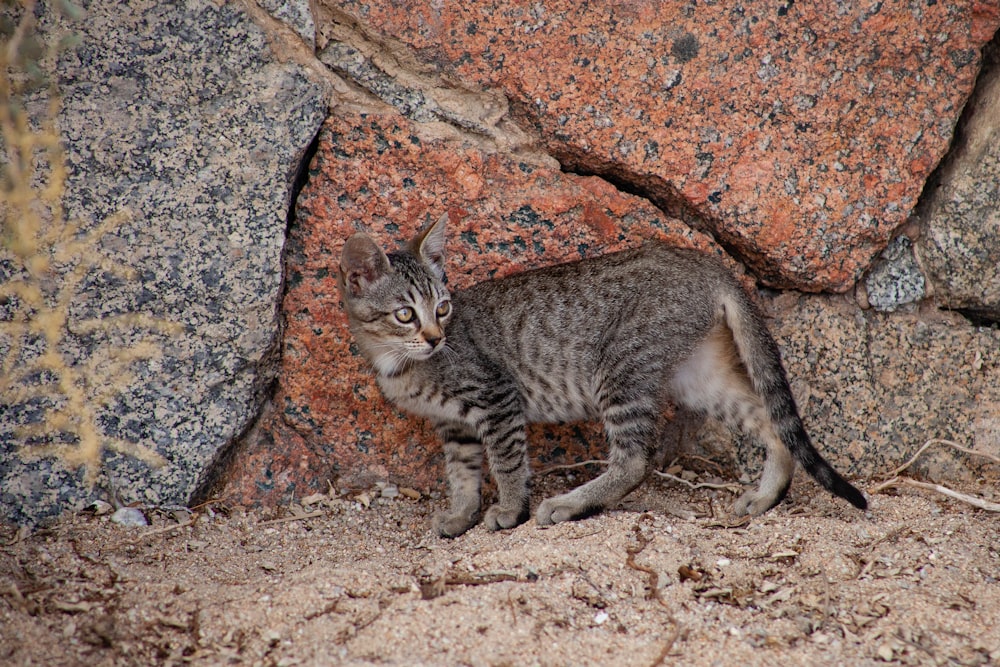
182	135
874	387
799	135
959	246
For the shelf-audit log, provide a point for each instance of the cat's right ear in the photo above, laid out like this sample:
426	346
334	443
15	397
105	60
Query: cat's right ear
362	263
429	245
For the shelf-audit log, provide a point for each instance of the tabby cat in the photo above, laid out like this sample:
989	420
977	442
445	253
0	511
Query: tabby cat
609	338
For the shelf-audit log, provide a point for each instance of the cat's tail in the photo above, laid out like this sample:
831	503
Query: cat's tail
762	360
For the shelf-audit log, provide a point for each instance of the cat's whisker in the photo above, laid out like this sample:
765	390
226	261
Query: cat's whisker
450	356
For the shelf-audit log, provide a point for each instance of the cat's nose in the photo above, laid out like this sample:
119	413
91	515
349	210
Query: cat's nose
433	340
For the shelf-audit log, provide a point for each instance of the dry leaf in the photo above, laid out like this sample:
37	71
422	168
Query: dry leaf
885	652
313	499
412	494
72	607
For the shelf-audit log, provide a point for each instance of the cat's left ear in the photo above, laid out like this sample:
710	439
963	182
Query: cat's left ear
429	245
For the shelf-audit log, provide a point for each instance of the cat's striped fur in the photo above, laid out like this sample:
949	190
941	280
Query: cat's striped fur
610	338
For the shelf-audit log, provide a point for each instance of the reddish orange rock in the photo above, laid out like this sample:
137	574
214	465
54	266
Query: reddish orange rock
328	420
825	117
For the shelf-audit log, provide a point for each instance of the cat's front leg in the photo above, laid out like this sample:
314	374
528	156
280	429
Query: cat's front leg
504	433
464	464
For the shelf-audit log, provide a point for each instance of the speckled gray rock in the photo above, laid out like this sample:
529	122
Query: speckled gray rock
895	279
874	387
297	14
960	244
177	113
349	62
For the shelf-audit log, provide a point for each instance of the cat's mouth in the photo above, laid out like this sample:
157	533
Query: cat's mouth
430	349
421	350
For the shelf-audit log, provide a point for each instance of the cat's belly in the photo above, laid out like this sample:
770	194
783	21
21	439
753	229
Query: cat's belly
564	405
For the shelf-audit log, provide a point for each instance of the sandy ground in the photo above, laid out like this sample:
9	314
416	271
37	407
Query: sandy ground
357	579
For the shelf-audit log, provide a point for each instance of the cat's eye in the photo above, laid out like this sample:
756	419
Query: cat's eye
443	308
404	315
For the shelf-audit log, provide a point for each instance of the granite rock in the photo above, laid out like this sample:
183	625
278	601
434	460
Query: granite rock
874	387
959	247
800	137
877	386
381	173
182	138
895	279
297	14
799	140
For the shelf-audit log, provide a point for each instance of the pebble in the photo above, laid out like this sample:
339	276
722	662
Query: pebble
130	517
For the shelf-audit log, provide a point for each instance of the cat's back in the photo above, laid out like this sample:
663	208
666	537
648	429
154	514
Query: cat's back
565	309
606	280
556	331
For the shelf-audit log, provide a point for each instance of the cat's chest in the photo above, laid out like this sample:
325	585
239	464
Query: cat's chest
417	396
558	401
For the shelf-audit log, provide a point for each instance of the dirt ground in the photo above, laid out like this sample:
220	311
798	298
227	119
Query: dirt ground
356	578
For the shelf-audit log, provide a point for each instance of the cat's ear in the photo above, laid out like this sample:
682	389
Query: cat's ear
362	263
429	245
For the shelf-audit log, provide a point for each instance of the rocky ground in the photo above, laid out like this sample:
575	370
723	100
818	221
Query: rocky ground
356	578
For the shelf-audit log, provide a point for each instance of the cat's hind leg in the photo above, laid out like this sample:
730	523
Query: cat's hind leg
464	465
630	421
713	380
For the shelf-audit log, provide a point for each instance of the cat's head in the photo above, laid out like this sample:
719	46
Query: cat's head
397	304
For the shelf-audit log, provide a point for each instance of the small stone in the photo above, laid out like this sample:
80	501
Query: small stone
896	278
99	508
885	652
130	517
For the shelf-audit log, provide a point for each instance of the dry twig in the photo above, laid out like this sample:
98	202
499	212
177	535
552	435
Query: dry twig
897	481
571	466
294	517
735	488
939	441
166	529
944	490
653	580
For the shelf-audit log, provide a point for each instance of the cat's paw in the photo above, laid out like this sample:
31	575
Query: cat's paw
562	508
754	503
453	524
498	518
